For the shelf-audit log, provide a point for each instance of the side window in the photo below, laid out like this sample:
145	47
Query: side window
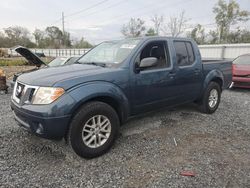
158	50
184	53
190	52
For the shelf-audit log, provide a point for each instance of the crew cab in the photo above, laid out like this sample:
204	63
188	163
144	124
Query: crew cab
86	102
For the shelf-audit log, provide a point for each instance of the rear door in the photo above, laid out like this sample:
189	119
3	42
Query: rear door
188	71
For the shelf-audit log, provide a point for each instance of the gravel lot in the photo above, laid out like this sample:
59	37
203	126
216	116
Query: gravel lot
216	147
11	70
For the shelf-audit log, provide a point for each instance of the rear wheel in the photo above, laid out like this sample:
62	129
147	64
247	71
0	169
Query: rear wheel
93	129
211	98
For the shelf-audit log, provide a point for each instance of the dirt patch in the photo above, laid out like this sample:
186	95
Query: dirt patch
11	70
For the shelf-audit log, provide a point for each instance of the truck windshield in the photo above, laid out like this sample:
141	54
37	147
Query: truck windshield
111	52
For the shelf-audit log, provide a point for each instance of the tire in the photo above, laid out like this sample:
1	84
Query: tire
205	105
85	123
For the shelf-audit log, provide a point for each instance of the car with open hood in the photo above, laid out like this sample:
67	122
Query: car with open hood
34	59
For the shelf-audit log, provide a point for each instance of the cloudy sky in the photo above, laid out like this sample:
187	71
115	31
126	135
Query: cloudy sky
99	20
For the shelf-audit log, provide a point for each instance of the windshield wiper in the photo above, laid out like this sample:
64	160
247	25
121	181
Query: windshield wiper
92	63
96	64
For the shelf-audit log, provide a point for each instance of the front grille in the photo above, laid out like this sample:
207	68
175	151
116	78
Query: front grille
19	92
23	93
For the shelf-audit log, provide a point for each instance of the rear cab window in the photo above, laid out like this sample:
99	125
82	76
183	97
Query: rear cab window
184	53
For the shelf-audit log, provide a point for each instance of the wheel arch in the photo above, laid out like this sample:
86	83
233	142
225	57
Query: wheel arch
104	92
121	112
214	76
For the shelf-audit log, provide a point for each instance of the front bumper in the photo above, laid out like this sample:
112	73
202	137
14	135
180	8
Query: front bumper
242	82
48	121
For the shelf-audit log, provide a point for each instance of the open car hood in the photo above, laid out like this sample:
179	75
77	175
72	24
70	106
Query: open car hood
29	55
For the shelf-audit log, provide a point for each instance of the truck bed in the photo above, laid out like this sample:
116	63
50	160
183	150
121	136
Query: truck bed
225	66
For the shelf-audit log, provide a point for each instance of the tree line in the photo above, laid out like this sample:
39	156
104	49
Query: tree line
51	37
226	15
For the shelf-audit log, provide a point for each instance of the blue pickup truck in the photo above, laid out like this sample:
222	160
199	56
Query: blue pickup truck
86	102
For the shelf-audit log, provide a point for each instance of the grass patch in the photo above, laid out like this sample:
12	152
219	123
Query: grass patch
13	62
19	61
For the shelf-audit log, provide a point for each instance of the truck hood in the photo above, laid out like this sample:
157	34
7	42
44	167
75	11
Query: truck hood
241	70
49	76
29	55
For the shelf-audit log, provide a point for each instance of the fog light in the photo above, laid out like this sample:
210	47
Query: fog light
39	129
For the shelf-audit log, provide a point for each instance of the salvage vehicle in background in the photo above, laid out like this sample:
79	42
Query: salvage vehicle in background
86	102
34	58
60	61
241	71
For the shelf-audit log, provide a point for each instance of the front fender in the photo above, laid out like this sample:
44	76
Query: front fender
90	90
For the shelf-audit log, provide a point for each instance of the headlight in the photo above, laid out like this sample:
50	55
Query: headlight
47	95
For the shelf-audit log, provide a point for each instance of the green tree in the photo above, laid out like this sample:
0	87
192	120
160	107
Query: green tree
239	36
3	43
66	40
134	28
198	34
17	36
245	36
54	37
228	14
151	32
82	44
213	37
39	36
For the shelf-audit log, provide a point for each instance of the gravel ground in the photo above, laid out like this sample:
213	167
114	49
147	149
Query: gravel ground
216	147
11	70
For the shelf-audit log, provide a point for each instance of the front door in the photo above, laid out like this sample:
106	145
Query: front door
154	87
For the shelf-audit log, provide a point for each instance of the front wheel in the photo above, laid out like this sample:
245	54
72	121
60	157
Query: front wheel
211	98
93	129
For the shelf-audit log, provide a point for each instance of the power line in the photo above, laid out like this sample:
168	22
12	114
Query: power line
78	12
121	16
105	8
63	23
88	8
136	10
56	22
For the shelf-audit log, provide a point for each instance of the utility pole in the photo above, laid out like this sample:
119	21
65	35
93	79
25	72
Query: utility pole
63	22
63	26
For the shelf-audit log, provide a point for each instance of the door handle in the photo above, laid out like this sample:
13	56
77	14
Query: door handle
197	71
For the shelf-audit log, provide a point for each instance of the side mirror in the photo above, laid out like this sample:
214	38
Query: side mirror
148	62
